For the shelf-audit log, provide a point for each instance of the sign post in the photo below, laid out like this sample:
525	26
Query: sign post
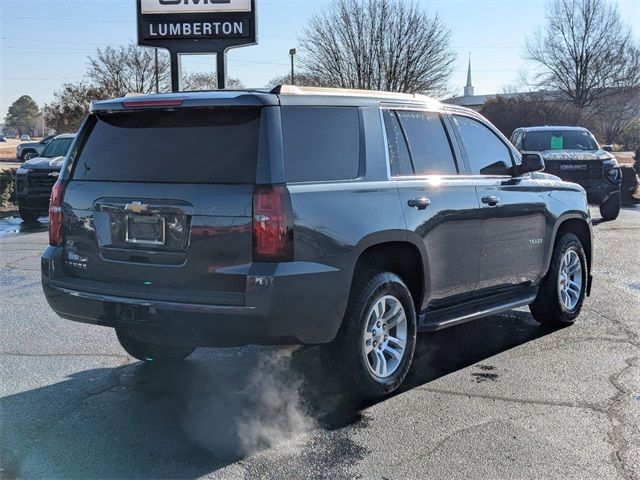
196	26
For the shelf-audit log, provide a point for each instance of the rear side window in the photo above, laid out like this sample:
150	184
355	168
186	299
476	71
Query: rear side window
180	146
321	143
483	147
399	158
428	143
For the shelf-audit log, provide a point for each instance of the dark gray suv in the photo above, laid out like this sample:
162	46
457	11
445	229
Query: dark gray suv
346	219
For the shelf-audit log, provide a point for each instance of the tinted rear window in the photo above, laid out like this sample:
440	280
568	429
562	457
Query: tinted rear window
399	158
321	143
181	146
428	143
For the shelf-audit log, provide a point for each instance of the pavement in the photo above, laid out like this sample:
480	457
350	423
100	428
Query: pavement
500	398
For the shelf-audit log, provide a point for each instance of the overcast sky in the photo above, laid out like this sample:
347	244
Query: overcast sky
45	43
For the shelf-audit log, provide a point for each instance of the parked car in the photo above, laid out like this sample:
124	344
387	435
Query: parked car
35	178
25	138
349	220
3	139
26	151
573	154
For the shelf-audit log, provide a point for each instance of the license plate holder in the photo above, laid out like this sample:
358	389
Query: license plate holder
145	229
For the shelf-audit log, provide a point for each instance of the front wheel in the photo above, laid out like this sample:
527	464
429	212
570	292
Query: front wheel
374	348
151	352
563	290
610	208
28	156
28	216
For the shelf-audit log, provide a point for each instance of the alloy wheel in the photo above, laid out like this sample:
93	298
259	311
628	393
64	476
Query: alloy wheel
385	336
570	280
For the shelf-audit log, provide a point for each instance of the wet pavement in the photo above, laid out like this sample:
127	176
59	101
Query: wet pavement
14	225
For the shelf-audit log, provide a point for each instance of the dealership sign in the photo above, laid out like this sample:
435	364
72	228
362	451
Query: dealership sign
196	30
196	26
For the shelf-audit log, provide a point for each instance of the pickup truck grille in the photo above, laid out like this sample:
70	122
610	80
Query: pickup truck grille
41	179
575	170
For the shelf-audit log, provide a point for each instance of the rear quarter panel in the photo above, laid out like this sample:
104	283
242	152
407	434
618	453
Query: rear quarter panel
334	222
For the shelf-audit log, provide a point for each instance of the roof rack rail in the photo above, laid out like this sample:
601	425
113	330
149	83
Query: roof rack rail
295	90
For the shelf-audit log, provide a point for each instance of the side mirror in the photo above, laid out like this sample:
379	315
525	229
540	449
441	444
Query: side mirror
607	148
531	162
497	168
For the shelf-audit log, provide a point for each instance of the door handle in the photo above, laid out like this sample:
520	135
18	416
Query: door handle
419	203
491	200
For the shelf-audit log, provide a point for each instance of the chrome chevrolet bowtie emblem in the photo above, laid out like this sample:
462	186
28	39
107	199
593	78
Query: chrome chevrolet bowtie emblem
136	207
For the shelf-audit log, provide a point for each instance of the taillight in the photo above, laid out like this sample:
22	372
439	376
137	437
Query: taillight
167	102
55	215
272	224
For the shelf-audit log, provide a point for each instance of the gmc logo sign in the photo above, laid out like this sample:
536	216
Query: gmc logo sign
573	167
195	6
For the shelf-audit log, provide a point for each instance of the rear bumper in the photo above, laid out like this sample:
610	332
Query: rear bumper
285	304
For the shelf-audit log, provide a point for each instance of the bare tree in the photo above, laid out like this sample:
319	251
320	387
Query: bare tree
302	80
586	51
379	44
118	71
617	115
71	106
199	81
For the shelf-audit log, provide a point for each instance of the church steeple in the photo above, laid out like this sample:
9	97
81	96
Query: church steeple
468	89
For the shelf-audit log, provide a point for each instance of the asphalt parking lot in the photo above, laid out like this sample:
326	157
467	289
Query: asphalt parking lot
498	398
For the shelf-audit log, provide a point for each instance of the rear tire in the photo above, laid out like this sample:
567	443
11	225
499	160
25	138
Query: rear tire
151	352
610	208
563	290
375	345
28	216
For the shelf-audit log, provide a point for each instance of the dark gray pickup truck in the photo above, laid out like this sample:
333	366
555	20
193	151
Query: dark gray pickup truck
573	154
35	178
345	219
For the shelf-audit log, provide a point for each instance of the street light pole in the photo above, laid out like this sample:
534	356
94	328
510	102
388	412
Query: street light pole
292	53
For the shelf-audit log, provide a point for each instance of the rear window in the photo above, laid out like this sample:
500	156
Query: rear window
321	143
180	146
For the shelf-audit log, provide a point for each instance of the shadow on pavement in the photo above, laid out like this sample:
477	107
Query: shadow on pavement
154	421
